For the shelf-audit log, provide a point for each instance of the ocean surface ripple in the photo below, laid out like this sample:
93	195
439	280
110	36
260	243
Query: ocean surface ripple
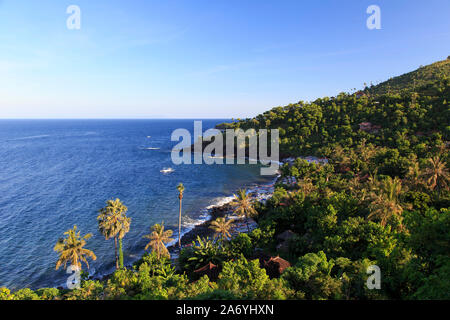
58	173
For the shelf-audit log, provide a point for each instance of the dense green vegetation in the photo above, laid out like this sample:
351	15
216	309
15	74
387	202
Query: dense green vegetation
413	121
383	199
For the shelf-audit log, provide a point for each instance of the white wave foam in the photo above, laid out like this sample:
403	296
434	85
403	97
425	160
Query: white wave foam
32	137
220	202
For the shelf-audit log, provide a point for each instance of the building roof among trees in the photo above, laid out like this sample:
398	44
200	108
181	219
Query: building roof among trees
275	266
211	270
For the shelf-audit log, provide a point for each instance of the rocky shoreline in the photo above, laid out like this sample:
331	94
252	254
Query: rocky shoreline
203	230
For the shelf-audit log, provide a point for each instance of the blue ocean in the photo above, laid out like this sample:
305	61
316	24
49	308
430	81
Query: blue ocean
55	174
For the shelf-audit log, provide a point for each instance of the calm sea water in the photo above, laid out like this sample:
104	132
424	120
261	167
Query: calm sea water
58	173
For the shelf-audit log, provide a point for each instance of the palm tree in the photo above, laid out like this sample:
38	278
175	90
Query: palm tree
436	174
222	227
244	206
114	223
158	239
385	202
71	249
180	189
414	174
373	183
123	231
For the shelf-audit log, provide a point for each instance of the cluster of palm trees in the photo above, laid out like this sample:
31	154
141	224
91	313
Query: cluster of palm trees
243	207
385	202
434	176
113	223
383	197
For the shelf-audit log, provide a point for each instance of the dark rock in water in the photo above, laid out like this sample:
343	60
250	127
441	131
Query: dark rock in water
221	211
203	230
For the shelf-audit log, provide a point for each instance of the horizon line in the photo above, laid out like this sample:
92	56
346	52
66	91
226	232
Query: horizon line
198	118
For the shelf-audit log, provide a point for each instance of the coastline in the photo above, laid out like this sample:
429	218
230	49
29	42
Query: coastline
260	192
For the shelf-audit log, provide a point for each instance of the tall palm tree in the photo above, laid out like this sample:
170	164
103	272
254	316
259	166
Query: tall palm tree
244	206
385	202
158	239
436	174
71	249
222	228
114	223
123	231
180	189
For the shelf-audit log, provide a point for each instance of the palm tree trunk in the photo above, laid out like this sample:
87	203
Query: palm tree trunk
179	227
115	253
246	220
120	254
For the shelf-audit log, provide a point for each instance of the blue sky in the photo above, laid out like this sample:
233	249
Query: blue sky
204	59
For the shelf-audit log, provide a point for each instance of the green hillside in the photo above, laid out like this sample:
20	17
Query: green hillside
382	199
409	122
382	202
420	80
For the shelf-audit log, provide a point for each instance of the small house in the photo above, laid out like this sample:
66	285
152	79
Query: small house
275	266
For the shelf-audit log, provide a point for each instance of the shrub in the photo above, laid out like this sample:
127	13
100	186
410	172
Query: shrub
48	293
243	278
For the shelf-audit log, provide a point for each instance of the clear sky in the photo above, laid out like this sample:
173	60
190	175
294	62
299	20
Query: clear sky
204	58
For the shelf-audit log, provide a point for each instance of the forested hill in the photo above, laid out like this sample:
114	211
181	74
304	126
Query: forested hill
408	114
420	80
382	202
